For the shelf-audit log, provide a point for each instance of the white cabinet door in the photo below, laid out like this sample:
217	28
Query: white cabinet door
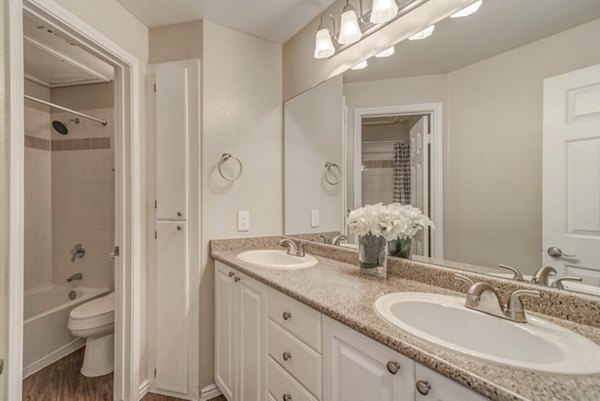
436	387
252	337
225	330
172	309
172	131
355	368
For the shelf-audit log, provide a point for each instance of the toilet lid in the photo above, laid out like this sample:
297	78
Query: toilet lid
95	308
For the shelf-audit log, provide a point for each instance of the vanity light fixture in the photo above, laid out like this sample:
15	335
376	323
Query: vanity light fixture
360	66
383	11
323	43
465	12
349	29
386	53
425	33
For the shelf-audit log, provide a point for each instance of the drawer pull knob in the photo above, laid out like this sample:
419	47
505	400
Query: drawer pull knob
179	228
287	356
236	279
393	367
287	397
179	214
231	274
423	387
287	315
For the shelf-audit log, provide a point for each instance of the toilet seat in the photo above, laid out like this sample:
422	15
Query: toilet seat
96	313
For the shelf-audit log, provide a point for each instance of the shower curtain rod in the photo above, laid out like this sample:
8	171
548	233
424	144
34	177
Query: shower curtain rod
396	141
35	99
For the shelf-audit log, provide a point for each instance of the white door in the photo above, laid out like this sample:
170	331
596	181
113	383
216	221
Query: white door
432	386
252	337
224	330
172	309
419	173
571	174
355	368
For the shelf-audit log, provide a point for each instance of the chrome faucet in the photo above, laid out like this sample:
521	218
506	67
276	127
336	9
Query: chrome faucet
542	275
338	238
484	298
293	249
76	276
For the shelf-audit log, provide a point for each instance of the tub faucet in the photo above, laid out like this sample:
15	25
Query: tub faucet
76	276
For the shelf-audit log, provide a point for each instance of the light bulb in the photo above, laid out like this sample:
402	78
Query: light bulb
363	64
383	11
423	34
465	12
386	53
349	29
323	44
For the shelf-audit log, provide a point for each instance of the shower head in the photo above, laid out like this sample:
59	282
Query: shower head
61	127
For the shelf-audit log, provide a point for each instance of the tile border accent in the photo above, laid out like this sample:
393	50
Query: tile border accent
33	142
378	163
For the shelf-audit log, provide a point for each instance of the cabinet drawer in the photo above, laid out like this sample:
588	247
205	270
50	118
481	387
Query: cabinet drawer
281	383
297	318
303	363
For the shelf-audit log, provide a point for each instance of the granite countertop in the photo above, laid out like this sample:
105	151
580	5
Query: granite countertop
339	291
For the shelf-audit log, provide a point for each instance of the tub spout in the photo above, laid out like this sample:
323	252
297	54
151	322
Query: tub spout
76	276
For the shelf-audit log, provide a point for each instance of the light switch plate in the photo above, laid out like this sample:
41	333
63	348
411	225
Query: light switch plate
243	221
315	218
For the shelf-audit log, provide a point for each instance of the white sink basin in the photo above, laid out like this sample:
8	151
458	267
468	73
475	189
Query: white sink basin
537	345
276	259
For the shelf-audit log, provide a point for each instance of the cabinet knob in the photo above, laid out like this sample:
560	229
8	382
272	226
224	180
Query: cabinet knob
287	315
287	356
231	274
393	367
179	228
179	214
287	397
236	279
423	387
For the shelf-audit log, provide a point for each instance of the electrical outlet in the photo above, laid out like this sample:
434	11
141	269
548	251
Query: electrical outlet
315	218
243	221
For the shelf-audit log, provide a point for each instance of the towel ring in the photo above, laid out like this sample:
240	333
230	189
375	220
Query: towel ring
224	158
328	167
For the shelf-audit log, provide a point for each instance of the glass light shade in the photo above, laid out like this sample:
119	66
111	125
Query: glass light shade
383	11
363	64
349	30
386	53
465	12
323	44
425	33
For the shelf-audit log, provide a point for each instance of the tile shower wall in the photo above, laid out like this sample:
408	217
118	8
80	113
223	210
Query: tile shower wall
38	198
83	199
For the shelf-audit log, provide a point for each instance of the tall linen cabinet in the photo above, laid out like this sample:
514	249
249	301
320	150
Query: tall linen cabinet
174	271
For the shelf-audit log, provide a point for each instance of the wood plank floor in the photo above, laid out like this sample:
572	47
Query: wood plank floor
63	381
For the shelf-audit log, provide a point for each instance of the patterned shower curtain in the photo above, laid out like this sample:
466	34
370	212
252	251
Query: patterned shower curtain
402	172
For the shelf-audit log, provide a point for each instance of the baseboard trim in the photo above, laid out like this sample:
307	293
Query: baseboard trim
53	357
209	392
143	389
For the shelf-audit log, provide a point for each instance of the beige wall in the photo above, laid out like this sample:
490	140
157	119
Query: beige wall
85	97
241	115
175	42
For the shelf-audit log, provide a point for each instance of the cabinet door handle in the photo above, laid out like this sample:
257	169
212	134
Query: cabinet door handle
236	279
287	397
179	228
393	367
287	315
423	387
231	274
287	356
179	214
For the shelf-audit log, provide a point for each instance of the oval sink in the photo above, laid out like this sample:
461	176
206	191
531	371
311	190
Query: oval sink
276	259
537	345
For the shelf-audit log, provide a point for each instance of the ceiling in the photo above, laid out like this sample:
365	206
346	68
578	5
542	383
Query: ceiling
274	20
498	26
53	62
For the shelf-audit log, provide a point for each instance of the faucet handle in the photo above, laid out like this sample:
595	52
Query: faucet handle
517	275
515	306
558	283
465	279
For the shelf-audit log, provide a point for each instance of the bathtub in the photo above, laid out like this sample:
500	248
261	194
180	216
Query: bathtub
46	337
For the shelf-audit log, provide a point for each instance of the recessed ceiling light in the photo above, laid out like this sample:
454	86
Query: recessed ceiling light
386	53
423	34
363	64
465	12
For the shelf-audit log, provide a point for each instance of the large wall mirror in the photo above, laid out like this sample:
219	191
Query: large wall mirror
491	126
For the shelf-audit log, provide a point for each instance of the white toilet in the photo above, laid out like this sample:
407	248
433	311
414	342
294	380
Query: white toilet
94	320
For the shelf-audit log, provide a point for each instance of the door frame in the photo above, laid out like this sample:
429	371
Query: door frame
128	200
436	172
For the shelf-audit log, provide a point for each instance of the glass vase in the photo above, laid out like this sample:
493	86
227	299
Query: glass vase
401	248
372	255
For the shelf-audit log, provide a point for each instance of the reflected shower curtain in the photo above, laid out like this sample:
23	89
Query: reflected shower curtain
402	172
